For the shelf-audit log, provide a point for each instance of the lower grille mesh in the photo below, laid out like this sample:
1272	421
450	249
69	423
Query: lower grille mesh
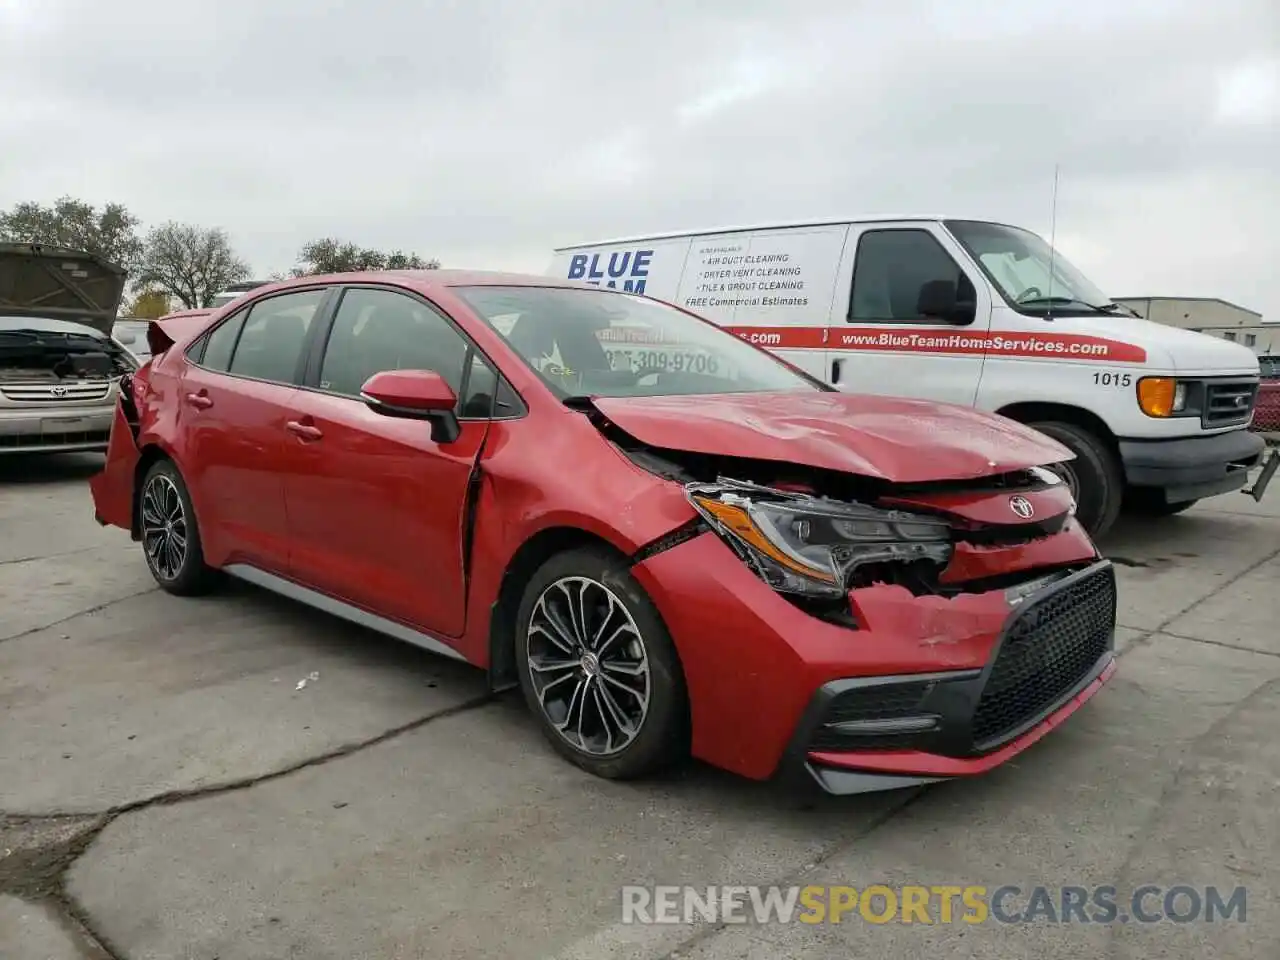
1046	653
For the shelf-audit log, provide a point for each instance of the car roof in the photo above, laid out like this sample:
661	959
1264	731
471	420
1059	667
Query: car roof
430	281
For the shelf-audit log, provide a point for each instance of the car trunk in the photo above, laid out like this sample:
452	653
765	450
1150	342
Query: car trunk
57	308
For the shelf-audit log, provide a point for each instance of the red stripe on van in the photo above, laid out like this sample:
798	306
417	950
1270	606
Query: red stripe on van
1065	346
936	340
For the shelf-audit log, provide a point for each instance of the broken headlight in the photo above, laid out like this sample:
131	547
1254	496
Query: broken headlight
802	544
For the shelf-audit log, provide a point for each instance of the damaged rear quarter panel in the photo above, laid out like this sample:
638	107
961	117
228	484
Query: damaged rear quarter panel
112	487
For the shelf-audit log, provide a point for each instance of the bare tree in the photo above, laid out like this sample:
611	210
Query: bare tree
190	263
111	233
329	255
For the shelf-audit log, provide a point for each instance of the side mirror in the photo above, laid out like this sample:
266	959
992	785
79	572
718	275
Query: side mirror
415	395
938	298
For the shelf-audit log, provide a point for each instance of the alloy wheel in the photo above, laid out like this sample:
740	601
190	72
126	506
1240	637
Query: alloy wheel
164	527
588	666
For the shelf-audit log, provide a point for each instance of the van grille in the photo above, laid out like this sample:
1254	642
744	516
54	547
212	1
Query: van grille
1228	402
76	390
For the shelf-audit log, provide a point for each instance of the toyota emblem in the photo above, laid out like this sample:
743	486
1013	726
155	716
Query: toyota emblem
58	391
1022	507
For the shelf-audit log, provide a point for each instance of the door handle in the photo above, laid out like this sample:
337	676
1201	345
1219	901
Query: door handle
200	401
304	431
837	367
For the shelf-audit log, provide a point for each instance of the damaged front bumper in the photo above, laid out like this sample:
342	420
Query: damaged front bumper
930	665
1054	652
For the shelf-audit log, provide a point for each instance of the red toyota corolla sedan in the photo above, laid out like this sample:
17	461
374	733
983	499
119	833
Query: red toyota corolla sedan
668	538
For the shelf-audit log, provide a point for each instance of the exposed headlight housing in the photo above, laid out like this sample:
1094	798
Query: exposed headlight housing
807	545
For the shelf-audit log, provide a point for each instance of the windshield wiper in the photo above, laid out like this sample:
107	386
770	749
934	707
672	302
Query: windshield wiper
1108	310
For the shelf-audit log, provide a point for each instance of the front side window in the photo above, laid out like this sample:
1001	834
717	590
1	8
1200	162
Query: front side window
1032	277
273	336
893	268
606	344
377	330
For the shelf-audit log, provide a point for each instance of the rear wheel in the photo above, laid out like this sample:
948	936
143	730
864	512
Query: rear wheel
1094	476
598	668
170	534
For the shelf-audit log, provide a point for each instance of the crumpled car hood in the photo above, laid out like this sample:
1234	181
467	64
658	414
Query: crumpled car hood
885	438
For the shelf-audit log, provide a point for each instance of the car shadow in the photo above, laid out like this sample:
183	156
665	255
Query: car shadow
18	468
695	784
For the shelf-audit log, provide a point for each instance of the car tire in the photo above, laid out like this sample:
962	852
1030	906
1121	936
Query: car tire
1094	475
1153	502
620	663
170	534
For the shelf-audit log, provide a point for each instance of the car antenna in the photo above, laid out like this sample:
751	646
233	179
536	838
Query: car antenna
1053	240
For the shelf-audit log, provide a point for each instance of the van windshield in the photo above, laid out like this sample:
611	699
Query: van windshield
1032	277
605	344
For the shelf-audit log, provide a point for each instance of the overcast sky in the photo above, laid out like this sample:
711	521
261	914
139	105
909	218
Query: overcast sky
486	132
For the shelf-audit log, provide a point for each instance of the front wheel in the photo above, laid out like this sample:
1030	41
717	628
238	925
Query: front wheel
598	668
1094	476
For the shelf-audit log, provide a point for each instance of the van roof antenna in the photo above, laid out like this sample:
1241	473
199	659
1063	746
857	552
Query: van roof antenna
1053	243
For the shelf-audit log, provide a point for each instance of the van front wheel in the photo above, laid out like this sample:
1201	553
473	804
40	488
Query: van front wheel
1094	476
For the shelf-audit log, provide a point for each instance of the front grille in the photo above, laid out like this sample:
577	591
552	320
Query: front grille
80	390
878	702
1047	652
1228	402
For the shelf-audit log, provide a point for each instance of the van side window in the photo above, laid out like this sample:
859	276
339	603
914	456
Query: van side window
891	269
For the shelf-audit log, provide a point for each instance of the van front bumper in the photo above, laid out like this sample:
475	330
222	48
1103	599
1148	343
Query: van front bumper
1194	467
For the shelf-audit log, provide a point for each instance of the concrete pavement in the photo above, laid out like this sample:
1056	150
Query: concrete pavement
168	790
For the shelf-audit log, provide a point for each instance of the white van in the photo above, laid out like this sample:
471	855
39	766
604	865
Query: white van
969	312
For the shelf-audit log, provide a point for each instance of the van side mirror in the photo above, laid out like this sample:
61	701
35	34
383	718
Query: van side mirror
938	299
415	395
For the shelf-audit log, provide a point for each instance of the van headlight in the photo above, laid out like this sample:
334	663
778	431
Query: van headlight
807	545
1162	396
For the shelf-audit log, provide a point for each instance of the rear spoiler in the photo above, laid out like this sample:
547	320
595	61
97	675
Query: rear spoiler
175	328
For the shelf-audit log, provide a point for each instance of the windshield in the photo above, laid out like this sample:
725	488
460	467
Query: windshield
1018	262
604	344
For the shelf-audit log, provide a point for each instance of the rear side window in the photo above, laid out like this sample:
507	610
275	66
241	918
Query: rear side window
221	342
273	335
891	268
